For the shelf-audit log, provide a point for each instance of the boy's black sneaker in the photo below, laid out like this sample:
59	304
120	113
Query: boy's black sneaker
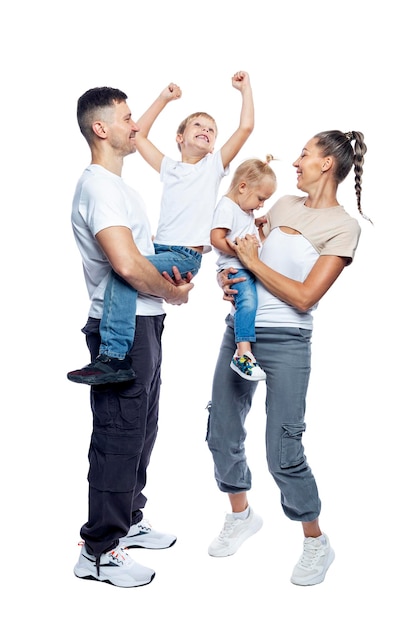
104	370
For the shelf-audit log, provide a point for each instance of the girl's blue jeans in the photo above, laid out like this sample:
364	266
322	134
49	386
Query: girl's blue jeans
246	303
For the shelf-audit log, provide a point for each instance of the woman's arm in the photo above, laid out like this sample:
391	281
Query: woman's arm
301	295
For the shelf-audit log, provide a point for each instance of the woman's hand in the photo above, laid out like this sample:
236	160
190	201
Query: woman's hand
245	249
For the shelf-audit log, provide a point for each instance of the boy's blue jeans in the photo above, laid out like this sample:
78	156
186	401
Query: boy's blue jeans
117	326
246	303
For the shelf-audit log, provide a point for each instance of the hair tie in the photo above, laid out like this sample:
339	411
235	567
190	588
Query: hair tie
349	135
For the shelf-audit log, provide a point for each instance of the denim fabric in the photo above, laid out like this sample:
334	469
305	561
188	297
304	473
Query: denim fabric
285	355
125	425
117	326
246	303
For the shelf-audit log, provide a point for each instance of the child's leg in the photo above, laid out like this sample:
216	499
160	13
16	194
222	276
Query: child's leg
246	302
117	326
185	259
117	330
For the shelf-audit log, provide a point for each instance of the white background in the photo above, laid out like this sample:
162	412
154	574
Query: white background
313	66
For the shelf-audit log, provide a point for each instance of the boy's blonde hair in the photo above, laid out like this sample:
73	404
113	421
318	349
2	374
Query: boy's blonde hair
181	128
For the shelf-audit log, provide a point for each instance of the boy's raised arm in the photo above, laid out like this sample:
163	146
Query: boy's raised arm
146	148
240	81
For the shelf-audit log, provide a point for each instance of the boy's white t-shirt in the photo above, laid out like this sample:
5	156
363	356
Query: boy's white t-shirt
102	199
239	223
188	200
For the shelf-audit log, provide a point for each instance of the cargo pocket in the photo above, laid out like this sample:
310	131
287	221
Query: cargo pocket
113	462
292	449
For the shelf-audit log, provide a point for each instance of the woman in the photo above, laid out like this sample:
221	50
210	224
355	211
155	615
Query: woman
308	241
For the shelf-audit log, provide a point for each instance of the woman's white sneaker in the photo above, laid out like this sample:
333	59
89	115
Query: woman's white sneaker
115	567
314	562
234	533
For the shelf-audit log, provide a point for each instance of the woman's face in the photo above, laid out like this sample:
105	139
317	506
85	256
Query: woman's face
310	165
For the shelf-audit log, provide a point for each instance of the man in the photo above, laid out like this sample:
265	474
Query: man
112	231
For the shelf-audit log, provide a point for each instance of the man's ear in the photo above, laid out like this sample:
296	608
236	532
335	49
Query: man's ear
179	138
99	129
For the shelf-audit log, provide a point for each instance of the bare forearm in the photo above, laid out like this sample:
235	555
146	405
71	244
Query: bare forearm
301	295
291	291
147	119
144	277
247	114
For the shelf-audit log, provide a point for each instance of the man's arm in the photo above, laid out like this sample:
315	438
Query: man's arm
232	146
126	260
146	148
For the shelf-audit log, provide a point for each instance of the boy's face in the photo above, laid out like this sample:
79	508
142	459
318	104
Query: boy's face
199	136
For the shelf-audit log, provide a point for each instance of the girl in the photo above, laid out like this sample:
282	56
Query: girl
253	183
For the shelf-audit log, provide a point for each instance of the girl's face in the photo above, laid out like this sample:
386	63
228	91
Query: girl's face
253	197
310	165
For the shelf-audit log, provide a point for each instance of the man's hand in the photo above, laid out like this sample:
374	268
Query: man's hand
226	283
184	286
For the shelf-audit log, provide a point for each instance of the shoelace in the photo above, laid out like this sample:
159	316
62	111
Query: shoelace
227	529
119	555
311	554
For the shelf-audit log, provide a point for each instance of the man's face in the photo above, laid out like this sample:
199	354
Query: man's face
121	129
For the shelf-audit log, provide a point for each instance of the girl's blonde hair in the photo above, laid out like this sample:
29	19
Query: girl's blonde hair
252	171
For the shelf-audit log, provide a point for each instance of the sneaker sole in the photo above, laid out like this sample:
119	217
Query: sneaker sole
227	551
105	379
87	575
317	579
253	379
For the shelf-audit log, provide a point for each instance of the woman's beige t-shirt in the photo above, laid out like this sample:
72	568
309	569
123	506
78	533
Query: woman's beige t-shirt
330	231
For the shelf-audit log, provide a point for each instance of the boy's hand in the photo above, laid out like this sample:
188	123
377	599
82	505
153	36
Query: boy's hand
240	80
172	92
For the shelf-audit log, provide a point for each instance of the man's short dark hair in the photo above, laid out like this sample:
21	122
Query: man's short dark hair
91	104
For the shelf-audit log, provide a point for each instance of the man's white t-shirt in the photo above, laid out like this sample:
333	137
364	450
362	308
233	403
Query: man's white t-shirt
101	200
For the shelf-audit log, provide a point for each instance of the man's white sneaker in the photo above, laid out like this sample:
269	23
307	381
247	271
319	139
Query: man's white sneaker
115	567
314	562
234	533
142	535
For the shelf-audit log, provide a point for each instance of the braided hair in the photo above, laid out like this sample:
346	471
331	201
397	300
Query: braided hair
337	144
